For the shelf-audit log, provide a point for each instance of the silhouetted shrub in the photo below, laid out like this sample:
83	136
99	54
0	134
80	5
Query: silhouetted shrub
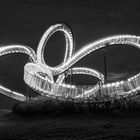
50	106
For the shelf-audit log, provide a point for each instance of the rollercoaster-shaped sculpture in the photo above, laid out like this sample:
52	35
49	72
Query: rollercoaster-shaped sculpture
40	77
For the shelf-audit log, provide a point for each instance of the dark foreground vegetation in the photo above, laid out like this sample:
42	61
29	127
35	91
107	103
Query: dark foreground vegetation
56	106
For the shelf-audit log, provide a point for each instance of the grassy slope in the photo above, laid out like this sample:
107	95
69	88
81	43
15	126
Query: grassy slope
96	126
120	124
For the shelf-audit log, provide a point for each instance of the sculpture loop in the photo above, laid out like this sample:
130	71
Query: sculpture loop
40	77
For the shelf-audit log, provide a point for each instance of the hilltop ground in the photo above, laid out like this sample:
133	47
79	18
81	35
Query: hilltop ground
38	122
118	126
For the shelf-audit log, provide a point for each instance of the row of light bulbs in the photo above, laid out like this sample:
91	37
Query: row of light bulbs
40	77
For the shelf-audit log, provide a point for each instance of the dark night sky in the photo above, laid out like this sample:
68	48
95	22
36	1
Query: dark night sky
24	22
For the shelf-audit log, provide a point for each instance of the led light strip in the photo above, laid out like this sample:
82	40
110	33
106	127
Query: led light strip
40	62
16	49
39	76
108	90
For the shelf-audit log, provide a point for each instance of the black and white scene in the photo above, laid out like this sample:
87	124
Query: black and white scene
69	70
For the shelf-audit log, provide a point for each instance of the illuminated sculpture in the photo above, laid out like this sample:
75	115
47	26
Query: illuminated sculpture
40	77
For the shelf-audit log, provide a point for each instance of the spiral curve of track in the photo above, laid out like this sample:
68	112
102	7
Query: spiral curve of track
40	77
